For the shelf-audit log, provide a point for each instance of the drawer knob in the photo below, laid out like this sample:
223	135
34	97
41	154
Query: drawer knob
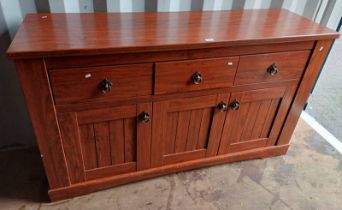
144	117
197	78
273	69
222	106
105	86
235	105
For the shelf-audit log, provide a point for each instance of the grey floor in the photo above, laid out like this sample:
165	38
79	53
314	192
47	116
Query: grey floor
309	176
325	104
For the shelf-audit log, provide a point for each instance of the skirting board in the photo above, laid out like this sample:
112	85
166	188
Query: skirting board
108	182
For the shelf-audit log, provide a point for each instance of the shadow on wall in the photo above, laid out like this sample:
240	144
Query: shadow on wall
22	177
15	126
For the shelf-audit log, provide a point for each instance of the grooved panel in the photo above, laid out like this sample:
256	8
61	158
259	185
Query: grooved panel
102	144
182	131
184	128
117	141
187	130
130	139
203	134
87	140
252	124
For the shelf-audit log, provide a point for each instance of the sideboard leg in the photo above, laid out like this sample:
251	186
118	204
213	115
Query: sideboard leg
36	87
316	61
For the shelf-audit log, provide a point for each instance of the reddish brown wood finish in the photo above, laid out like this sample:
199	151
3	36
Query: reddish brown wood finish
186	129
258	120
112	181
99	33
148	57
37	92
92	141
75	85
312	71
177	76
253	68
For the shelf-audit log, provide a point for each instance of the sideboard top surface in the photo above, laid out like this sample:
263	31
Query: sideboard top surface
45	35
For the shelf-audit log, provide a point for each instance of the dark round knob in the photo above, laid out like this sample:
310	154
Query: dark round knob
273	69
222	106
145	117
105	86
235	105
197	78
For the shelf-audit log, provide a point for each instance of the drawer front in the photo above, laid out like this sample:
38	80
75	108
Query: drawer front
191	75
271	67
73	85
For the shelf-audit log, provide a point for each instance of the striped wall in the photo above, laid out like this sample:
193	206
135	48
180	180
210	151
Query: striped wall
15	128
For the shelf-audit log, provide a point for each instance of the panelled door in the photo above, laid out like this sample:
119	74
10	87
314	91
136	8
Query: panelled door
255	118
105	142
187	129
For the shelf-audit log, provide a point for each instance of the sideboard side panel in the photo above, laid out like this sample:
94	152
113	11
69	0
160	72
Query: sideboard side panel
316	61
36	87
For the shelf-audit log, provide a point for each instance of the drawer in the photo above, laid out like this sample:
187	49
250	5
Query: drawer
91	83
191	75
271	67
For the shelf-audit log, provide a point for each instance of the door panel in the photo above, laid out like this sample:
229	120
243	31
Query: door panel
106	141
258	119
183	129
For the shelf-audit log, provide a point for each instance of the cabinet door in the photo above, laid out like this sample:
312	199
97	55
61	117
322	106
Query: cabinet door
255	118
187	129
106	142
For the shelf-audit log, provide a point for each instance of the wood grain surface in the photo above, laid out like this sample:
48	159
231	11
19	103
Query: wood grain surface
100	33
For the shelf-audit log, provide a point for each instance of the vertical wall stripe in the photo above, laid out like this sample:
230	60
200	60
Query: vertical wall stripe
328	11
151	5
265	4
100	5
239	4
86	6
323	4
208	5
163	5
300	6
113	5
185	5
228	4
12	15
126	6
310	8
56	6
249	4
72	6
42	6
174	5
28	6
276	3
335	15
197	5
257	4
289	4
138	5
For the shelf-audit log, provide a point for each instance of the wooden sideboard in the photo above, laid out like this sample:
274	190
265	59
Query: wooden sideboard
116	98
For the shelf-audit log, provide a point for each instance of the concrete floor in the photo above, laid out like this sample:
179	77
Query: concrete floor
325	102
308	177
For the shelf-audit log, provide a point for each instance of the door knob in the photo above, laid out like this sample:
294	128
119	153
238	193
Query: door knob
197	78
222	106
273	69
105	86
234	105
145	117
